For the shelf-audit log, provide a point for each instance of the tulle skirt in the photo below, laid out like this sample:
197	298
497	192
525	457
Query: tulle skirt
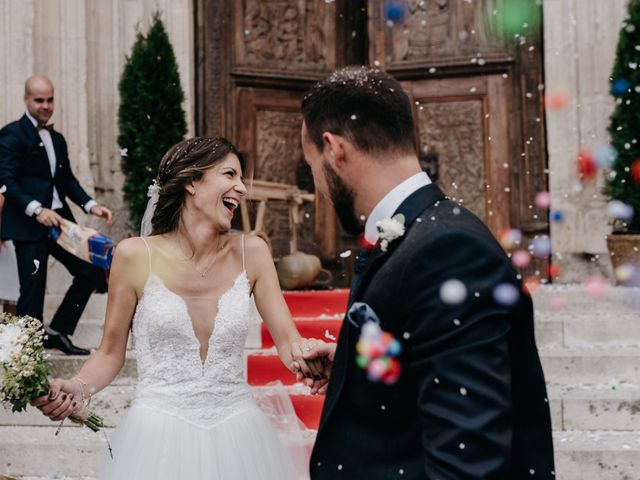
152	445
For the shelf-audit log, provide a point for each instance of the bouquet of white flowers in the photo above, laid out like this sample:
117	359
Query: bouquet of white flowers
24	375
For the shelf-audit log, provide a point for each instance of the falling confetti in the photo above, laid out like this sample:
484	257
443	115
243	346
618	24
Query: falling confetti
557	216
510	238
345	254
595	286
515	17
394	10
604	155
557	100
3	189
556	303
620	86
541	246
453	292
543	200
37	265
635	171
506	294
521	258
377	352
554	270
624	273
327	335
620	210
587	167
124	152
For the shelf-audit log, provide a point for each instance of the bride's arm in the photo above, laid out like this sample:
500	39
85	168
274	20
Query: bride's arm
273	309
128	273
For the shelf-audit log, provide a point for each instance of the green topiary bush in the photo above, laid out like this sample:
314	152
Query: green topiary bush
623	182
150	117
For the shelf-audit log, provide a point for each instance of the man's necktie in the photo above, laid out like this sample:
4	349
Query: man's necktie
47	127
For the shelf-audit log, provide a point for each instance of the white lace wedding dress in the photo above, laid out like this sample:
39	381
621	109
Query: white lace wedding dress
194	420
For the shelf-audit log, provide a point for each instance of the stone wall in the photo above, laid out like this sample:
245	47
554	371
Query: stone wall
580	38
81	45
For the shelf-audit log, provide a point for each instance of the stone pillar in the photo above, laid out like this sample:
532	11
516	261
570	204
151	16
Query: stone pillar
81	45
580	38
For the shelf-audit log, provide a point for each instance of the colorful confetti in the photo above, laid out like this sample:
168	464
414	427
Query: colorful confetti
587	167
377	352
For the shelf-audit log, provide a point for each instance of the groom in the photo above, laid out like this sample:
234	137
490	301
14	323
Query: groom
470	401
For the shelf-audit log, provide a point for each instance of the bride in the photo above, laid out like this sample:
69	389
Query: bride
184	293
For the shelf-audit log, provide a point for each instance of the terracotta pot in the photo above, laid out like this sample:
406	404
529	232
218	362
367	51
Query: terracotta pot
299	270
624	249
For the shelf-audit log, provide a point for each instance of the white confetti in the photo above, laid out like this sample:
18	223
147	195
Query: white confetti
345	254
453	292
463	391
124	152
328	335
37	264
3	189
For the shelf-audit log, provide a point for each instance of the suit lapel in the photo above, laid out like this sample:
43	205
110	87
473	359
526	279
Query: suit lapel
411	208
35	142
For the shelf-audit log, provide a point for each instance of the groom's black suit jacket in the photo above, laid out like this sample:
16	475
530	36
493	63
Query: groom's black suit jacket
25	171
471	401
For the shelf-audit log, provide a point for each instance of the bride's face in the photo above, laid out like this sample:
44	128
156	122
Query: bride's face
217	195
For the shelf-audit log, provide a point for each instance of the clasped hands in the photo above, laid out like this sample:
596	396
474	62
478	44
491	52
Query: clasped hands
312	363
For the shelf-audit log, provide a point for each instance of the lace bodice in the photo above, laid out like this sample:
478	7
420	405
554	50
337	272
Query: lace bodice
171	375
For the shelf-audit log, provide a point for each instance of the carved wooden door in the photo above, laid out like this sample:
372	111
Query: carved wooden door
477	97
463	124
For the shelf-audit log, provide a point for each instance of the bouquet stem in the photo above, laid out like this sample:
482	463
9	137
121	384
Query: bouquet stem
83	416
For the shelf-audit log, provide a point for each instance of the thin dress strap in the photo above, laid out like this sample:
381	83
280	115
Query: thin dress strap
243	267
148	253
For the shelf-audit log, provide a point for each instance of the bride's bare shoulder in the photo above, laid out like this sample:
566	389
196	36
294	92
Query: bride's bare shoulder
131	250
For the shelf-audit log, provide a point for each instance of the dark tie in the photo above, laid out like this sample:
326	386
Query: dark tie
358	269
47	127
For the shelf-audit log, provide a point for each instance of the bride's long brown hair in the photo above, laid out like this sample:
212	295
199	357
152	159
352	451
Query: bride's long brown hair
185	162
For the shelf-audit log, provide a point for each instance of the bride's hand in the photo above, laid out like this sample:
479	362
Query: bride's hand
312	369
62	399
322	354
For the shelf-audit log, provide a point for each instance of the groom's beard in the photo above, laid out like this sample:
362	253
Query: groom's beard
342	199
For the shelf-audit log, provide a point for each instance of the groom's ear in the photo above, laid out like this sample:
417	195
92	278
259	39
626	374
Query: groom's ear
191	190
334	149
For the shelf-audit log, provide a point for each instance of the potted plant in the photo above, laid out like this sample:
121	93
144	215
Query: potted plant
623	181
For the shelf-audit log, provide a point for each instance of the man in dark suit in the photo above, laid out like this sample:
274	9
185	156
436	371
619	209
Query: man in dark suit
35	170
470	401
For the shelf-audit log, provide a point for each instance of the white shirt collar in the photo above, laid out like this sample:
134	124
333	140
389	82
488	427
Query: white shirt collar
33	120
390	203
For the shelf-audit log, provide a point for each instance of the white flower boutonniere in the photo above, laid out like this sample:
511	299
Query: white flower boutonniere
390	229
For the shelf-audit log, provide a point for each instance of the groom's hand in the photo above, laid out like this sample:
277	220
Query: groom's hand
324	353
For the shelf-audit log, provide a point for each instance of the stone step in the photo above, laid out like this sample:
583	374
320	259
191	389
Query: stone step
563	366
65	366
576	299
602	455
78	453
112	403
96	307
615	408
37	451
595	407
597	329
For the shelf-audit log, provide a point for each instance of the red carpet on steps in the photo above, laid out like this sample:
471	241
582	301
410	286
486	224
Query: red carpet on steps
315	313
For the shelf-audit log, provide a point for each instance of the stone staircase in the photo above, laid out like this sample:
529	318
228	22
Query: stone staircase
590	351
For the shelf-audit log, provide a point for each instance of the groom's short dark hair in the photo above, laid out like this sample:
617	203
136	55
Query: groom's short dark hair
365	105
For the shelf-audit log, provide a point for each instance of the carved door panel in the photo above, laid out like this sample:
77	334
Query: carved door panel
268	124
463	123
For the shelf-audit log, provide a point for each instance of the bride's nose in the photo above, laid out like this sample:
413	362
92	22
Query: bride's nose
240	188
